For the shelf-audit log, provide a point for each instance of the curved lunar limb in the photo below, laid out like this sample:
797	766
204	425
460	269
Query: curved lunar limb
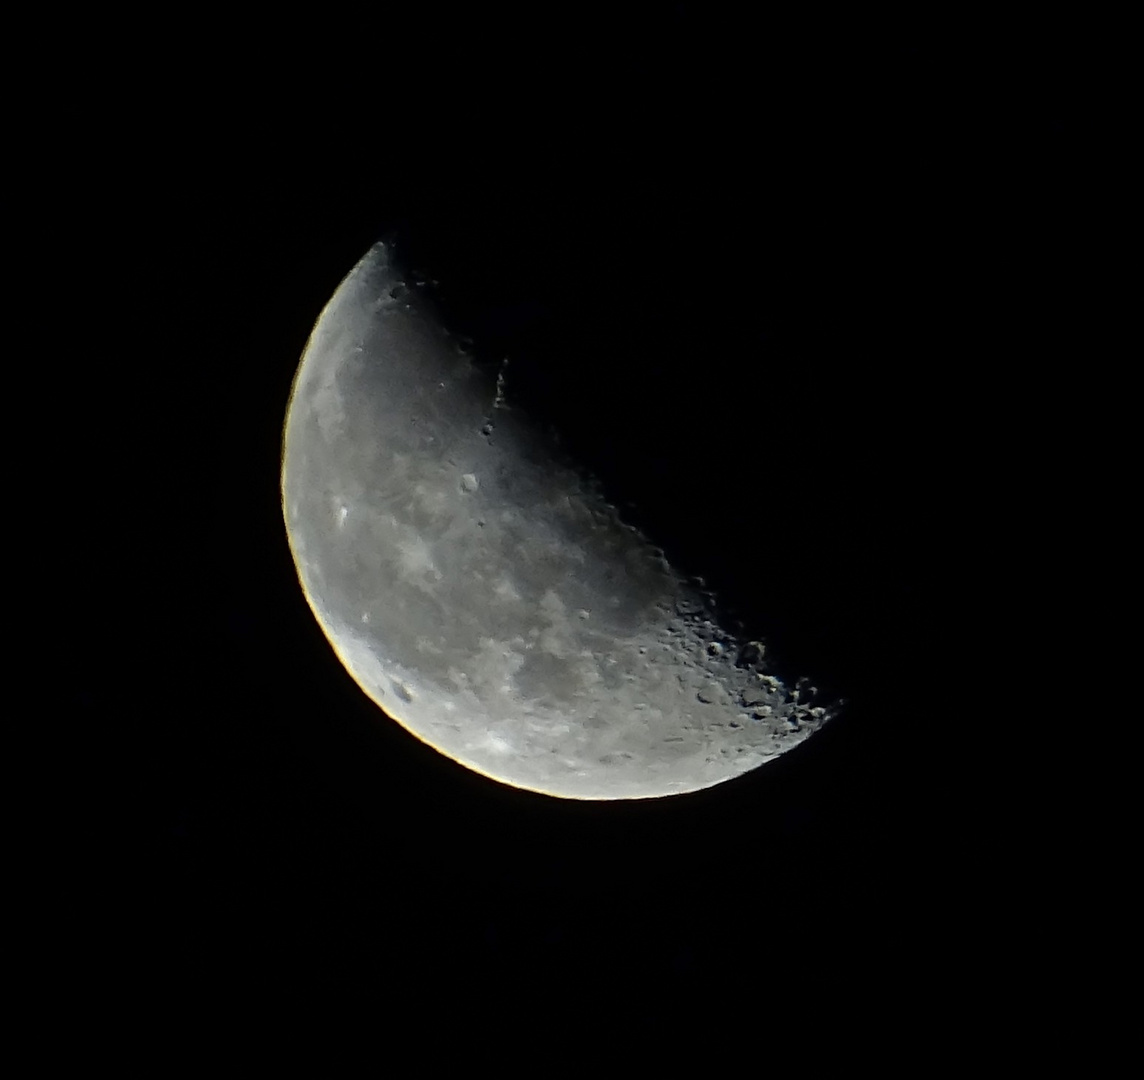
480	590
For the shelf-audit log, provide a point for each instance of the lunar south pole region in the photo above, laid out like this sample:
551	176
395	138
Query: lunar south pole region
483	593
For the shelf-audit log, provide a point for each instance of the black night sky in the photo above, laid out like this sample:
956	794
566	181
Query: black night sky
727	268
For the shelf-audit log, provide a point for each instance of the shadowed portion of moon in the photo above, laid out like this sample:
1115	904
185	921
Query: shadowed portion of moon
481	591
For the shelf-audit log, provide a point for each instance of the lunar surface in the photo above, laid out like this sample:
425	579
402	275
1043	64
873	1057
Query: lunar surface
481	591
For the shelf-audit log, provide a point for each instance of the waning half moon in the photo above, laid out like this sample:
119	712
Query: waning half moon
483	593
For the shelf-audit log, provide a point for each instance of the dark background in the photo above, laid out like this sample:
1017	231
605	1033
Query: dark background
745	273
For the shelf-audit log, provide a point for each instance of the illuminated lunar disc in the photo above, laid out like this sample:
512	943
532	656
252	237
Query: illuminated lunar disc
480	590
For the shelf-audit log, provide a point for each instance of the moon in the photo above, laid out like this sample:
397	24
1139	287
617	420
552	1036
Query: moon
480	589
